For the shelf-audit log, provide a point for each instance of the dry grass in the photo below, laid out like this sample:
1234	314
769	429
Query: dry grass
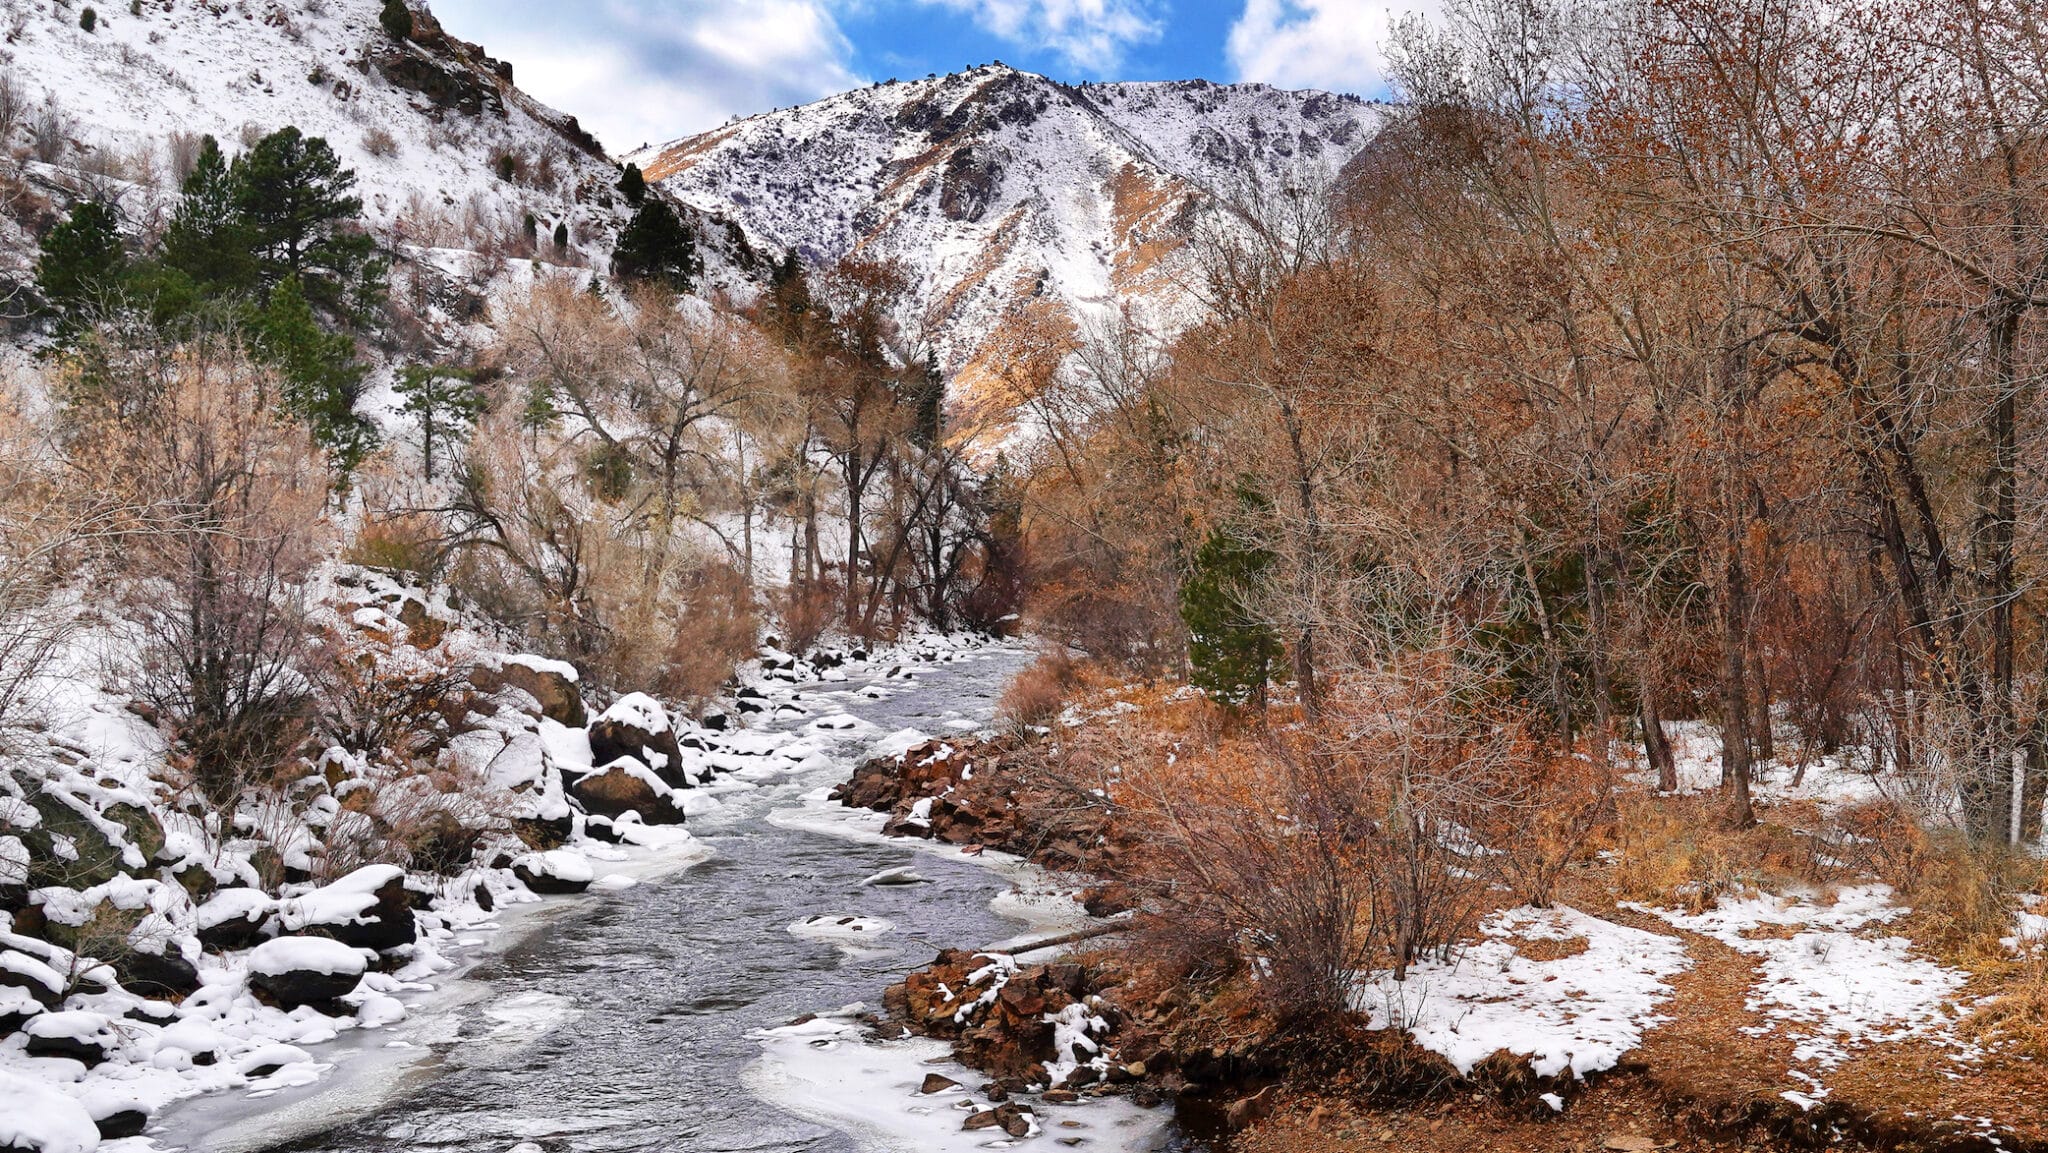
1036	696
408	543
1681	852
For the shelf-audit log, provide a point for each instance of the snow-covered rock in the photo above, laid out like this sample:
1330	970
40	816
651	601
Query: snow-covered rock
38	1119
637	727
555	871
77	1035
296	971
368	909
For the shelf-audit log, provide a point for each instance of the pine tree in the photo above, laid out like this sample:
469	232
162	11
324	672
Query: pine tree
209	241
322	378
1232	651
88	19
397	20
929	403
634	185
656	246
82	261
444	399
561	235
298	200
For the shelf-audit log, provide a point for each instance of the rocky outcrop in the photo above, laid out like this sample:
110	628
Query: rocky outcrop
625	787
637	728
967	792
552	684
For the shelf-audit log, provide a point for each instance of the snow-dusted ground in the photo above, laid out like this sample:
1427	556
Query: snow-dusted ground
1578	1013
1829	979
1833	781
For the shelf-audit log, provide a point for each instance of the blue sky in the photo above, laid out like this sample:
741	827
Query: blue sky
649	71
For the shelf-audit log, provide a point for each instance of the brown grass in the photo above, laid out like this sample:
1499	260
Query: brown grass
1036	696
408	543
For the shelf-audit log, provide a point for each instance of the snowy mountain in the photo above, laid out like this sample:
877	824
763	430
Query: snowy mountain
1000	188
449	152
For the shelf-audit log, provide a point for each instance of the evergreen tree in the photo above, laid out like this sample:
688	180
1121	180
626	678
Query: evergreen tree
928	403
209	240
634	185
397	20
656	246
446	400
88	19
295	196
562	235
322	378
1232	651
82	261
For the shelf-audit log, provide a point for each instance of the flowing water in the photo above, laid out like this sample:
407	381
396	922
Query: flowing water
622	1021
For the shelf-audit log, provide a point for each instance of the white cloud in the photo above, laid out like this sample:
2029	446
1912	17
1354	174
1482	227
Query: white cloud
649	71
1336	45
1087	34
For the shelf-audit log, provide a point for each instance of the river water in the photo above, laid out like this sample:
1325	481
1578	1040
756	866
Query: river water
622	1021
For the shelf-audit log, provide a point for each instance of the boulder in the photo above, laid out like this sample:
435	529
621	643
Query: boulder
295	971
558	871
159	974
368	909
624	787
551	683
87	1038
118	1111
233	919
33	976
121	1123
637	727
1010	1117
16	1007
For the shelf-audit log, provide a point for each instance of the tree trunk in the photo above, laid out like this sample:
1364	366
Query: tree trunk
1657	745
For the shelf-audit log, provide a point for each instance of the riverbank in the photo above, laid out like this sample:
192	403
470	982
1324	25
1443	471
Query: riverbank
1805	999
195	1006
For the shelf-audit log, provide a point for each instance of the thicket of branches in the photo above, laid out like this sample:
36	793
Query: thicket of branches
1682	358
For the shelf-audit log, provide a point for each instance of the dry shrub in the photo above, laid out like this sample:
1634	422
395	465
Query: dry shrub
1036	695
380	143
408	543
1307	857
803	611
425	819
1680	852
1543	818
717	630
1966	896
222	498
386	703
1882	839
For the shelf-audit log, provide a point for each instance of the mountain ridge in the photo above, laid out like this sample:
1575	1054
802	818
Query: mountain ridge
1003	191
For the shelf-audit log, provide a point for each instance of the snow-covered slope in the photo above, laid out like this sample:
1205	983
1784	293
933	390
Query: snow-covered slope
449	153
1000	188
